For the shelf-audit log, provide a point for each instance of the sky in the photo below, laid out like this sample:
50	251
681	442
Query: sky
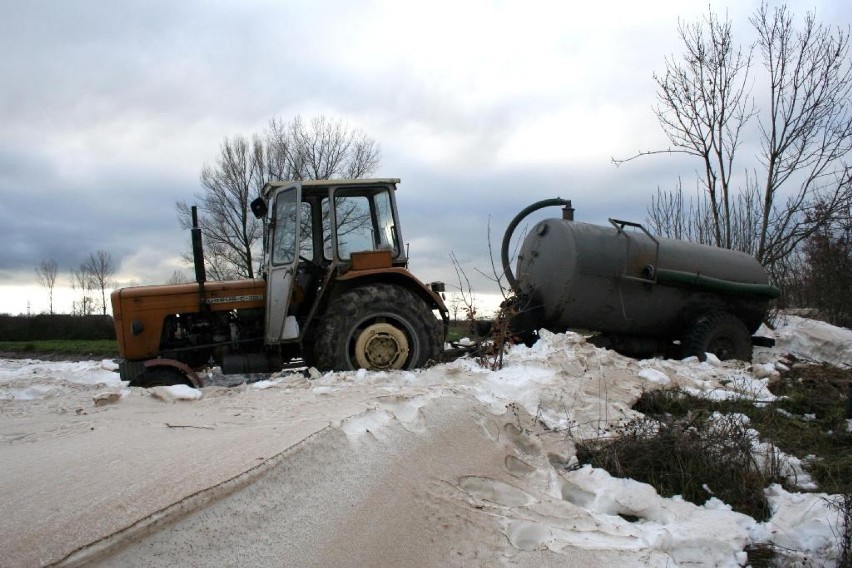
108	112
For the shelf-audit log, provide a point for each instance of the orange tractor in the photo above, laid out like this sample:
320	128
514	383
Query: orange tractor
335	294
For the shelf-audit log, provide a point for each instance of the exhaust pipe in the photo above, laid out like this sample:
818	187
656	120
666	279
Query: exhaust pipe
198	258
197	249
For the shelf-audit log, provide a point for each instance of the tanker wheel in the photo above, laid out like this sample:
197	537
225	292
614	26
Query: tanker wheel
160	377
377	327
719	333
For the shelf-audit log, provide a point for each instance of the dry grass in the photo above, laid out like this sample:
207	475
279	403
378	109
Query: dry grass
696	456
683	447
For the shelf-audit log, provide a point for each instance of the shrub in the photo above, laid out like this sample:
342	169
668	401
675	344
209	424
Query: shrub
696	456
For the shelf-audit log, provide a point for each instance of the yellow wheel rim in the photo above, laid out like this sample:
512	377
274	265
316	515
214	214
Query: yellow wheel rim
381	346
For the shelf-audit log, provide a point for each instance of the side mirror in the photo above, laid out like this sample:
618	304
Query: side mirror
259	208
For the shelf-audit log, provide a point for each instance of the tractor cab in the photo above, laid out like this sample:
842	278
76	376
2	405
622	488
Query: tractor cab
315	232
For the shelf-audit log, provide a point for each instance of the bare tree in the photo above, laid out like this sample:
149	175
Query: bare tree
821	276
808	133
99	268
177	277
229	228
82	283
46	273
673	215
321	149
705	103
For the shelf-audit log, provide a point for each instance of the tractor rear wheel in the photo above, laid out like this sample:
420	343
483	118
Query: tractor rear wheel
719	333
377	327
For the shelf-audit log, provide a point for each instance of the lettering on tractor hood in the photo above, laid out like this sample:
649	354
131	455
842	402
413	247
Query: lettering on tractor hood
229	299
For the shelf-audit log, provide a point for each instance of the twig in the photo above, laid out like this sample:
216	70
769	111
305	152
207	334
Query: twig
189	426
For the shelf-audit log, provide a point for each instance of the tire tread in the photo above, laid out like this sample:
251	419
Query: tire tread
330	349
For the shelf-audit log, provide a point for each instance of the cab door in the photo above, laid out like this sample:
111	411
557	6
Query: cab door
282	259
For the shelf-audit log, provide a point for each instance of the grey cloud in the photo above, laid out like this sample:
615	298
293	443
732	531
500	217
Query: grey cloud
80	76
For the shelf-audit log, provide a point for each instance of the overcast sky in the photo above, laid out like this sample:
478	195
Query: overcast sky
108	111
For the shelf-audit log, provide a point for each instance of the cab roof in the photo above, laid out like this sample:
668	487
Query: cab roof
320	183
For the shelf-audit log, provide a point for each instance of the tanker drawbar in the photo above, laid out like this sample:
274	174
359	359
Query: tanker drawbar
640	293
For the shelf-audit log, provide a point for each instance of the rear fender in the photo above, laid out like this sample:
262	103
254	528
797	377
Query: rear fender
395	275
398	276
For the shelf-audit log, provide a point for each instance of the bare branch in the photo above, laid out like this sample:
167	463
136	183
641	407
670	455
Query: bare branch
46	273
99	268
322	148
800	179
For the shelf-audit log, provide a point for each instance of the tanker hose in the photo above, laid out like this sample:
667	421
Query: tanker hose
678	277
504	249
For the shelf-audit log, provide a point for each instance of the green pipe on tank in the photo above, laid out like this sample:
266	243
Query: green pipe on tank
667	276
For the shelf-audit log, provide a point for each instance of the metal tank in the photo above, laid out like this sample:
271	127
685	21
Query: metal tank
641	292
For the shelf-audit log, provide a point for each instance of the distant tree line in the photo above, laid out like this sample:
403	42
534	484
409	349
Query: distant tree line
90	281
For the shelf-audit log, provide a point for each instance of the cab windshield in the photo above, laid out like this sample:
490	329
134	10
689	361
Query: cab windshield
363	222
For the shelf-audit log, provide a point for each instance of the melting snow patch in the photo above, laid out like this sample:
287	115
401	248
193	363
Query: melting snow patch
32	392
369	422
265	384
766	370
712	360
814	340
30	379
407	411
175	392
109	397
804	525
655	376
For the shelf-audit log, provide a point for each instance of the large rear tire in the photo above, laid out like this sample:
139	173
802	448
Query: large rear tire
719	333
377	327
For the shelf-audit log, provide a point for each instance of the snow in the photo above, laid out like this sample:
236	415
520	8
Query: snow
175	393
812	340
29	379
354	455
655	376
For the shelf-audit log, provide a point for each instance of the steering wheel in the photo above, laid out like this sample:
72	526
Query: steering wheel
311	262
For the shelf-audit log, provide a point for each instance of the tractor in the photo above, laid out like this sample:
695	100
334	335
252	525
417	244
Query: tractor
335	294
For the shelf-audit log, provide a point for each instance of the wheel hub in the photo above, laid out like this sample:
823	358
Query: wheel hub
381	346
722	347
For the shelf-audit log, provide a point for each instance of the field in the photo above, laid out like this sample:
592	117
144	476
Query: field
60	349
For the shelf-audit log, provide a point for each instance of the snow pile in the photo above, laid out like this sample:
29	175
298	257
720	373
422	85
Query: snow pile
804	525
30	379
174	393
812	340
454	461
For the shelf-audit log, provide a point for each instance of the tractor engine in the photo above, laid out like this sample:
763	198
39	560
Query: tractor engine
200	338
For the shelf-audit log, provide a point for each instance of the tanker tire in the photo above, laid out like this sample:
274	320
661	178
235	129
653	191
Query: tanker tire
394	313
719	333
160	377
